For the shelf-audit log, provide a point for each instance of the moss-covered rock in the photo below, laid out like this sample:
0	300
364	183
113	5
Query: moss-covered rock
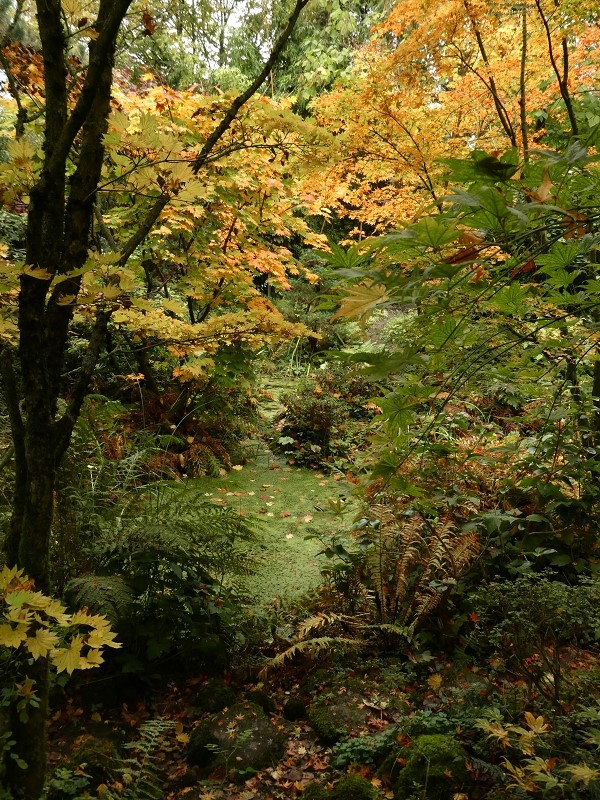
314	791
240	739
99	759
261	699
352	787
215	695
434	768
331	720
328	729
294	709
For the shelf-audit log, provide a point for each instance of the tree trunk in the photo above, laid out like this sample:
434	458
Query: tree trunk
59	224
29	735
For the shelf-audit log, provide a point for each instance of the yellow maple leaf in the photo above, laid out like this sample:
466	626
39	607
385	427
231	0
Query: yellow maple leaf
102	637
535	724
40	645
67	659
12	637
83	617
361	300
581	773
92	659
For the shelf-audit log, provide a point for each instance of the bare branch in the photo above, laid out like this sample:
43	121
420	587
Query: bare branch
561	78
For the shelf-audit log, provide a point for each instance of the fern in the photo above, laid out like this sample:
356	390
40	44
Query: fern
308	647
140	775
409	565
317	622
178	528
103	594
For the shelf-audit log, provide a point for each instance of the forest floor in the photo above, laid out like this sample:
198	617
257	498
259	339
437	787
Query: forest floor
364	695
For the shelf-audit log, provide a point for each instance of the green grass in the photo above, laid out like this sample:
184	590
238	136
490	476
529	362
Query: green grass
282	500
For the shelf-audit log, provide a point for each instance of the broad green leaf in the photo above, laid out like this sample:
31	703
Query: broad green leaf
510	299
430	232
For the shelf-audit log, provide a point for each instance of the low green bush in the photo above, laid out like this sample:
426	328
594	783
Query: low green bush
326	419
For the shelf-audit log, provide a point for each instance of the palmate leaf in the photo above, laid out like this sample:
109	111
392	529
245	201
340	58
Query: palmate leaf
431	232
66	659
511	299
40	645
561	255
353	258
361	300
12	637
399	407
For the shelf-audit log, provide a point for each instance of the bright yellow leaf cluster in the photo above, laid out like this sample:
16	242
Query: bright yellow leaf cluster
43	627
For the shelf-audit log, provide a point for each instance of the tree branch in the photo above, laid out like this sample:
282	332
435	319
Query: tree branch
64	426
503	115
562	79
110	17
252	89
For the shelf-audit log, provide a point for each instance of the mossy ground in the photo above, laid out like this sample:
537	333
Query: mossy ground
287	504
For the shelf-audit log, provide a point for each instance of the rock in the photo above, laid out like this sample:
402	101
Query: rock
434	770
314	791
294	709
98	759
261	699
240	739
215	695
353	787
333	719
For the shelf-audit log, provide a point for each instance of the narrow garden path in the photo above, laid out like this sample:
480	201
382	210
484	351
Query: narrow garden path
287	504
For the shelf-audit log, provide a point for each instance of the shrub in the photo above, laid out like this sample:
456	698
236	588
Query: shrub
527	622
326	419
367	750
172	560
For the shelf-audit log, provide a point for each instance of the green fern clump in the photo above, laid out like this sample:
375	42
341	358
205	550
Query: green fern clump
140	774
103	594
166	574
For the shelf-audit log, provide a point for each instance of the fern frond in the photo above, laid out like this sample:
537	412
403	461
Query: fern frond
320	620
425	604
308	647
465	550
103	594
140	774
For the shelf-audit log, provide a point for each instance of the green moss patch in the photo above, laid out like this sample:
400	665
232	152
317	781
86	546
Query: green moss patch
287	504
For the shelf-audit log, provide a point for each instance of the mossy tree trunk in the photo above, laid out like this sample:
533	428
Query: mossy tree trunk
58	231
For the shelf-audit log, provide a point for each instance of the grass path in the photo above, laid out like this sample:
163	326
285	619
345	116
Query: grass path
287	503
